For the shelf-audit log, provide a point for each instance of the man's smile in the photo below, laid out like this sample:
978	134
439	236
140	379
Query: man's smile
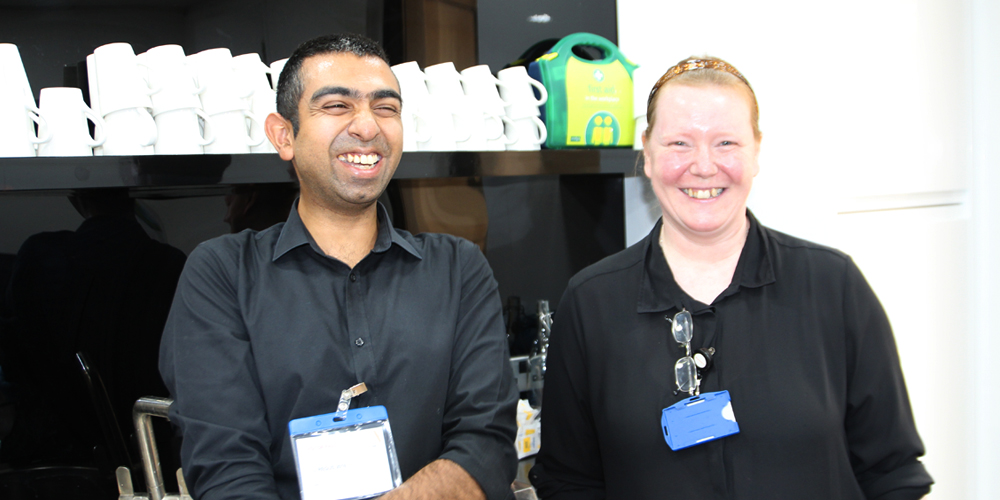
361	161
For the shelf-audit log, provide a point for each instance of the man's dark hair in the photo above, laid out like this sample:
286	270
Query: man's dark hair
290	84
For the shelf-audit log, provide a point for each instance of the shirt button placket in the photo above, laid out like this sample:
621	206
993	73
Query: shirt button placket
354	279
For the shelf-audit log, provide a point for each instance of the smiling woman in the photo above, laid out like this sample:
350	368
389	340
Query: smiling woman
784	335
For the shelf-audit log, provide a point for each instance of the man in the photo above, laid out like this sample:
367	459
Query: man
271	326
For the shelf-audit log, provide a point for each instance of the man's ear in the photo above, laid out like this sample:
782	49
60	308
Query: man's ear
279	132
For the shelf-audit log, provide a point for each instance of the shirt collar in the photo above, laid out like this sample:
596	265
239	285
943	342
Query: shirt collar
295	234
659	292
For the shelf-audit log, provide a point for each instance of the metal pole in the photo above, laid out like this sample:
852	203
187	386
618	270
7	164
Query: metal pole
144	408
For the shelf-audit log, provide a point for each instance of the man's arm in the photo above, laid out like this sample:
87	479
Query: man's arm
207	363
440	480
479	414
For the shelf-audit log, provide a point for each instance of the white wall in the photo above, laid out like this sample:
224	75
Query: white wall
869	110
986	242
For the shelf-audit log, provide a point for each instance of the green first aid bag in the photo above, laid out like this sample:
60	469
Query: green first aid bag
590	101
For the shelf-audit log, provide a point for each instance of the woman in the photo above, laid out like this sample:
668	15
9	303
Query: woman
789	328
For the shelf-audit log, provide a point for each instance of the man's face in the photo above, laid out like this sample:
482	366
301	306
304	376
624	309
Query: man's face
350	136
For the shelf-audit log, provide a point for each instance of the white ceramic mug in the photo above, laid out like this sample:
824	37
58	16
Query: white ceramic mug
276	68
120	82
168	69
255	74
412	87
17	124
223	91
66	118
517	93
447	126
231	132
417	127
250	69
443	80
179	132
129	131
12	75
526	134
480	85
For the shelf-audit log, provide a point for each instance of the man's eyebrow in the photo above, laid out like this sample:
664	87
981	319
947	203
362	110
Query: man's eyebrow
386	94
344	91
355	94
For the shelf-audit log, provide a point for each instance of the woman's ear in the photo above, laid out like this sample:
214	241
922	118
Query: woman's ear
646	168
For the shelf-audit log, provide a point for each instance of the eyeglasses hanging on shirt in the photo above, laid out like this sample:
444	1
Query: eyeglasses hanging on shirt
699	418
688	369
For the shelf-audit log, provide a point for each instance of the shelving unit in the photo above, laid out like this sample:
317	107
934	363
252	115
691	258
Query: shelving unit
167	176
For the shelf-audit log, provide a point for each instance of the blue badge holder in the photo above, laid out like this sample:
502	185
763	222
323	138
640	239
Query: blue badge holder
698	419
345	455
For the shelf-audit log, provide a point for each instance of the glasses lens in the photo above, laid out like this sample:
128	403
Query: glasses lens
684	372
682	327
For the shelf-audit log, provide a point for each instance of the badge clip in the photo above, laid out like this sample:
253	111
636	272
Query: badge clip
345	400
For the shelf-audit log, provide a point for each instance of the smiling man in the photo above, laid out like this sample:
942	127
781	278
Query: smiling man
271	326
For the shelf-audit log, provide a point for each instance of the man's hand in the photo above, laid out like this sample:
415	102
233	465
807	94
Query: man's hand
440	480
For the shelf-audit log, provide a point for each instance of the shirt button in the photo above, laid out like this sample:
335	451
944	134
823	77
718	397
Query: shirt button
354	277
359	342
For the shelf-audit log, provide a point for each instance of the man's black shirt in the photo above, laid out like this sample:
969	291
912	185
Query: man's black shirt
266	328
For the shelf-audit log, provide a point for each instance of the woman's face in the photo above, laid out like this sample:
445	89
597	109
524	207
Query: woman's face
701	157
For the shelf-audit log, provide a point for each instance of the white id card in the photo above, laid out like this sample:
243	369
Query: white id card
347	459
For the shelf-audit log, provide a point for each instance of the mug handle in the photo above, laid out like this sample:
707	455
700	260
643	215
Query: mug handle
499	121
99	134
541	89
417	119
150	125
250	141
542	132
459	125
141	61
45	135
205	141
512	137
458	121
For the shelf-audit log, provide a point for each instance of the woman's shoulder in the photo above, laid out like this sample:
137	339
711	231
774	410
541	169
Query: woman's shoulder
612	267
794	256
786	243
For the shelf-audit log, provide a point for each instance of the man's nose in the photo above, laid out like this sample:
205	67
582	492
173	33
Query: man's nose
364	126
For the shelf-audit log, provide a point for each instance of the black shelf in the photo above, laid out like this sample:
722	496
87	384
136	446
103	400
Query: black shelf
168	176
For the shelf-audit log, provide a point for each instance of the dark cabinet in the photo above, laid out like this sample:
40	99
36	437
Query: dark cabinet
539	216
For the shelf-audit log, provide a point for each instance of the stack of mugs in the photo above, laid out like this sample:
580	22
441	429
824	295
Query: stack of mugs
225	99
643	80
523	107
159	102
263	98
176	108
18	112
445	110
120	94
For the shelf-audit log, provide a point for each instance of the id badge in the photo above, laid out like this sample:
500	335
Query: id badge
346	459
698	419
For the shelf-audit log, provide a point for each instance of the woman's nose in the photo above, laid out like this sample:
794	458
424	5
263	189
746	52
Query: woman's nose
703	164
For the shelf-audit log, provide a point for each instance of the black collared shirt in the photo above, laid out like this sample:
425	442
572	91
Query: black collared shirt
266	328
802	345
